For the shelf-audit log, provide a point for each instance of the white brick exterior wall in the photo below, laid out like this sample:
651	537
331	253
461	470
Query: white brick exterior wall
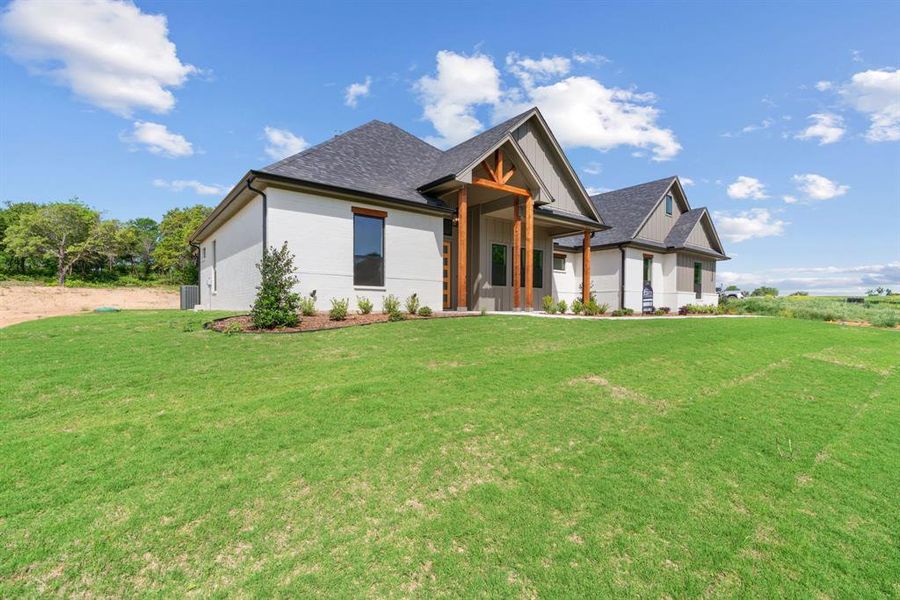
238	249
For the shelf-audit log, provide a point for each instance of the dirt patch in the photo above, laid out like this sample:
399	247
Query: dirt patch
19	303
242	323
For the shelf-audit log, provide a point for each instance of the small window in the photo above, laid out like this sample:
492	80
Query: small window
368	250
498	264
648	268
559	262
448	227
215	278
669	204
537	271
698	279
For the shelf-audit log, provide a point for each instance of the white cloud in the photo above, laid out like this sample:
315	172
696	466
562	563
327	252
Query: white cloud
856	56
686	181
764	124
355	91
593	168
876	94
282	143
157	139
826	127
817	187
747	187
449	98
593	191
177	185
748	224
581	111
788	199
107	52
587	58
823	280
824	85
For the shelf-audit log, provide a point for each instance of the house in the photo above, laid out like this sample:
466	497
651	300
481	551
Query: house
656	245
377	211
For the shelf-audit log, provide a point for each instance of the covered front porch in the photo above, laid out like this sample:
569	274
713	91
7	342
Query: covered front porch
506	232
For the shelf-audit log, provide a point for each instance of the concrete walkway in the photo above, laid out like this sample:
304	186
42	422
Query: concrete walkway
611	318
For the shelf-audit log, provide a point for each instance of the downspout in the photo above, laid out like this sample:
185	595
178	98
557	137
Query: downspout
622	278
265	212
199	266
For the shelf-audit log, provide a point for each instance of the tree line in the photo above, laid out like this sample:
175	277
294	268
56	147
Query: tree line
72	240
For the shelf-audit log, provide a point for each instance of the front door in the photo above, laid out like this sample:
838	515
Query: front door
446	277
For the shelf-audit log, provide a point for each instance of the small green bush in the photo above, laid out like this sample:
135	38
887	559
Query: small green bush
232	328
663	310
276	304
308	306
592	309
622	312
339	309
577	306
698	309
390	304
562	307
364	304
396	315
548	305
412	304
603	308
425	311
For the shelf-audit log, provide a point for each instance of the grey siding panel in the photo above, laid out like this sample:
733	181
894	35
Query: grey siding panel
699	236
685	275
659	224
541	154
499	231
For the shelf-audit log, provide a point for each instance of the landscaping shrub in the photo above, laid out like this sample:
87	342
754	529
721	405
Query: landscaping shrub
308	306
603	308
232	328
390	304
412	304
396	315
425	311
562	307
364	304
663	310
577	306
276	304
622	312
592	308
339	309
698	309
548	305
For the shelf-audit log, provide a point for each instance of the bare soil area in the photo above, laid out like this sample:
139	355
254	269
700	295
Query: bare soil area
20	303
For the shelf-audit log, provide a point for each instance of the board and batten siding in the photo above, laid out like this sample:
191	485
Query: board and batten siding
541	155
660	224
699	236
499	231
685	282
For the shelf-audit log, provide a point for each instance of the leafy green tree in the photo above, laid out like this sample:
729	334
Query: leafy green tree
764	291
108	243
10	215
276	303
173	254
140	238
63	231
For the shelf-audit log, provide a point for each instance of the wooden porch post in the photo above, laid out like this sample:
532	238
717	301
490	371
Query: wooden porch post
586	268
529	252
462	212
517	256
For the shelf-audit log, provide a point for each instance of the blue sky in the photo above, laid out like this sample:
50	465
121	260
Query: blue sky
784	117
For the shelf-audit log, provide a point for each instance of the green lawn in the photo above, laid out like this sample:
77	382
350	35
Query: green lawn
494	456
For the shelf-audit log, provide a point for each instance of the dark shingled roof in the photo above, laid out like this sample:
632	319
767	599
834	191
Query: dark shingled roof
460	156
623	210
682	228
375	158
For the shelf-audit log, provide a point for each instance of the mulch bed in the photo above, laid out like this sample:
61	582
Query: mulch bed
317	322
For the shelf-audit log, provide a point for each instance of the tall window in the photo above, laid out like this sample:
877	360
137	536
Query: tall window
698	279
669	204
215	278
559	262
648	268
537	272
368	250
498	264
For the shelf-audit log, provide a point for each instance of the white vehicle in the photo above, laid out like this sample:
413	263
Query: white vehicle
731	294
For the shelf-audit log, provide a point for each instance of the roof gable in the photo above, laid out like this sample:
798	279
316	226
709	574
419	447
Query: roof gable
695	229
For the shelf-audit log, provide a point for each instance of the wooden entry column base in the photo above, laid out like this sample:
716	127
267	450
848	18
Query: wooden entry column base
462	213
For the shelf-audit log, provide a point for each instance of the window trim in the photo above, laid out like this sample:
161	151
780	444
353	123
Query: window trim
644	260
563	256
506	265
372	214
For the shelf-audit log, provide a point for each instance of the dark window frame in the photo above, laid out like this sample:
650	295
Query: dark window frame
647	273
670	208
537	270
505	281
557	255
364	215
698	279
